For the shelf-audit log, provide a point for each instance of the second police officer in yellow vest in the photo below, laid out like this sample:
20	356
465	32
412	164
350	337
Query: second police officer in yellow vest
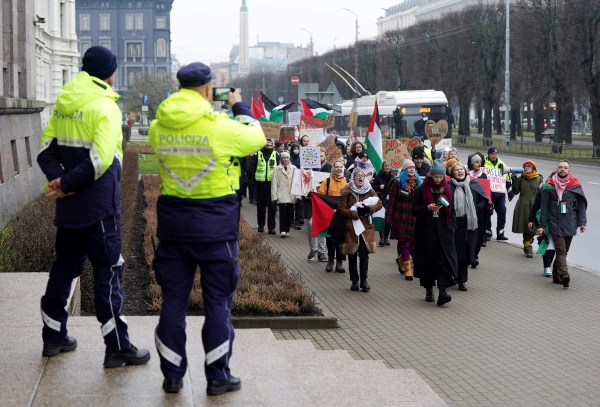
262	165
198	216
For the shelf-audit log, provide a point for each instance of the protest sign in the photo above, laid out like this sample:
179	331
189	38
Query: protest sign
301	182
271	130
310	157
332	151
287	134
497	179
294	118
307	122
436	129
315	135
395	151
328	122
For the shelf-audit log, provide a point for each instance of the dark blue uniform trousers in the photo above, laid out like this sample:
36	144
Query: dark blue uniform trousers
175	265
101	243
499	200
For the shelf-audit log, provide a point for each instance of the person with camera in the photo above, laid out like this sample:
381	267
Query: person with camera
562	212
198	221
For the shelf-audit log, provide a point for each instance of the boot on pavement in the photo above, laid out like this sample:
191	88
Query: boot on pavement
399	262
68	344
329	266
406	266
217	387
339	267
381	239
129	356
444	296
429	297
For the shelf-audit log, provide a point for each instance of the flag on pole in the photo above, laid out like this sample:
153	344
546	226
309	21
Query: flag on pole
374	141
323	209
272	112
313	108
256	110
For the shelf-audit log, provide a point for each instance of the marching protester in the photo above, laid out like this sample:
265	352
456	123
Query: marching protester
317	244
563	210
526	186
198	222
381	184
449	163
498	198
427	152
352	207
399	215
298	220
281	185
453	154
332	186
469	199
418	157
261	171
81	158
445	154
279	146
546	244
357	148
435	251
474	163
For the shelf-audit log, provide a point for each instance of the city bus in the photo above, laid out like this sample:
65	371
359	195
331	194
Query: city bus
414	106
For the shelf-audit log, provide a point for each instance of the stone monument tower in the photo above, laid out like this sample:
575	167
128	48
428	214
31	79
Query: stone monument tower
244	47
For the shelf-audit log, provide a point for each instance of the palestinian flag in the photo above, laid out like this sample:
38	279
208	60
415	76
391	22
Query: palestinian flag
374	140
256	109
271	112
323	208
379	220
313	108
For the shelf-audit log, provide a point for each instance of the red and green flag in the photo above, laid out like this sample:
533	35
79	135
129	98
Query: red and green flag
323	209
271	112
312	108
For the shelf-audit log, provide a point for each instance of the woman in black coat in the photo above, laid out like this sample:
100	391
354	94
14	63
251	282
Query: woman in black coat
435	252
475	164
469	199
381	184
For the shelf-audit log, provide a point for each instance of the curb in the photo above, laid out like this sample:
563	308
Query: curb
285	322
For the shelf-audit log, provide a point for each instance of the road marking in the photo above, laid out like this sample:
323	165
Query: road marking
594	183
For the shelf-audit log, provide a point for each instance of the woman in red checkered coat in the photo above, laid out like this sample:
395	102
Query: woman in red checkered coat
399	214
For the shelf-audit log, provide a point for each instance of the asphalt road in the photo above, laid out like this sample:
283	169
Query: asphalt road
576	142
582	251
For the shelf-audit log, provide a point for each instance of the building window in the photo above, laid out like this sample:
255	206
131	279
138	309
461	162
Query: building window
28	150
105	44
161	48
65	76
139	22
131	78
63	23
129	22
161	22
161	75
83	46
84	22
105	22
134	50
13	146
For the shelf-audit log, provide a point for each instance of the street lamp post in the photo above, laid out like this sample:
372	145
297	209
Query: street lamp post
356	50
507	80
311	41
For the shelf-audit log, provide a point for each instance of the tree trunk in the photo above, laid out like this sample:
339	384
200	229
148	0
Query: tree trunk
568	123
538	113
528	116
497	120
464	127
559	125
487	119
595	116
479	119
514	122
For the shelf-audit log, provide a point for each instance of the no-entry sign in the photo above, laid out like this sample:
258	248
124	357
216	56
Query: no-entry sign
295	80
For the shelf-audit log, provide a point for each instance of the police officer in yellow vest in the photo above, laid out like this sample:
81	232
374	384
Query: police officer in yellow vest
262	166
499	198
198	215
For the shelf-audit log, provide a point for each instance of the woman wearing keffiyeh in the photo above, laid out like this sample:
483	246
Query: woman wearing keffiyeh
399	214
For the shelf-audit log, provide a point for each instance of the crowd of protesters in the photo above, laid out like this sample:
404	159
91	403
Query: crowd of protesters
436	209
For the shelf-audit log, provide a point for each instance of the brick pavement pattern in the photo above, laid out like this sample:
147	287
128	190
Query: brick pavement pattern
513	339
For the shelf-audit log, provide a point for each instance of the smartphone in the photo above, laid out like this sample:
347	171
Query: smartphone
222	94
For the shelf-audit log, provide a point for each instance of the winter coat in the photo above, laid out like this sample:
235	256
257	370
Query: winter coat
563	224
294	159
281	184
466	240
347	200
423	170
527	190
399	214
434	255
381	178
332	186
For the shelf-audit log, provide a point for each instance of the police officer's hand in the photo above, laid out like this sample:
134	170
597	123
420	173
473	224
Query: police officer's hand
55	190
235	97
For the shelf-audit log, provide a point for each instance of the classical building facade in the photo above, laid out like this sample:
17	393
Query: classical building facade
56	52
137	31
20	124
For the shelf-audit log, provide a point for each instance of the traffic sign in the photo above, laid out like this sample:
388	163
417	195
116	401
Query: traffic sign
145	99
295	80
144	108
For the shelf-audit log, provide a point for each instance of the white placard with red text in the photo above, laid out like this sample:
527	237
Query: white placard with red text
497	180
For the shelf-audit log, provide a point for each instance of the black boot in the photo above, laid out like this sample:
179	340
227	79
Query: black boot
381	239
216	387
329	266
501	237
339	266
365	287
387	241
429	297
68	344
172	386
355	286
444	296
129	356
462	286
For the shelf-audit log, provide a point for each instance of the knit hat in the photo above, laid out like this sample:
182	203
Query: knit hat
279	144
529	162
418	152
284	154
99	62
451	162
363	154
492	149
437	168
406	164
475	158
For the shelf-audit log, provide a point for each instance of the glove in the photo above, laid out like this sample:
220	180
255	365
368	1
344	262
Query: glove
363	211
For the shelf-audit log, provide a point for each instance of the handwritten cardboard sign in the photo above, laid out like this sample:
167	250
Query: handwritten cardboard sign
294	118
310	157
287	134
353	120
271	130
307	122
395	151
315	136
497	179
328	122
436	129
331	150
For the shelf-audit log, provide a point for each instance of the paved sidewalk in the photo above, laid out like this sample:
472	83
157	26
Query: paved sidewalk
514	339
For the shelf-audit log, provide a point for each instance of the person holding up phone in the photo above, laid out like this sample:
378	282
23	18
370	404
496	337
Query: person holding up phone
435	251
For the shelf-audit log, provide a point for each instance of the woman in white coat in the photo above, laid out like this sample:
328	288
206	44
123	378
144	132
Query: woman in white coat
281	185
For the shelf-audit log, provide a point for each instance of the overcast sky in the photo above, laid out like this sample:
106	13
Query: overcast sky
206	30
